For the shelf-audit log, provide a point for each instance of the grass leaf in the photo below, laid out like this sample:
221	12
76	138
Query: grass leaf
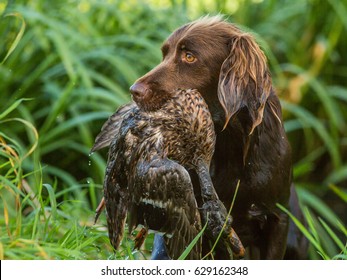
18	37
12	107
331	233
192	244
311	237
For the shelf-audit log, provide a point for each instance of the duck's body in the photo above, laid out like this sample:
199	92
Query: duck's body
147	170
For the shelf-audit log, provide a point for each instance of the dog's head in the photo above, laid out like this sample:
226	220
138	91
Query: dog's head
223	63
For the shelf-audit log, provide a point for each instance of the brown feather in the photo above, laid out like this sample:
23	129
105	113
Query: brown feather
111	127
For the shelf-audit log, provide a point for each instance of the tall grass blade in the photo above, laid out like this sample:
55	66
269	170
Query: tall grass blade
307	118
309	199
226	220
18	37
340	257
337	176
333	236
52	199
308	235
193	243
340	193
12	107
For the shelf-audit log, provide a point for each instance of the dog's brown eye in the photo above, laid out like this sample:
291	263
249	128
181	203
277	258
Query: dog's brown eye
189	57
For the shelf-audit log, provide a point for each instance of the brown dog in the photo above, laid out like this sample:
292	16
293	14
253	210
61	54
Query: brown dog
230	70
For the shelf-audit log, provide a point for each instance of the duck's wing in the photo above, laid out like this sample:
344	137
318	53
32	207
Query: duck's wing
163	200
116	191
111	127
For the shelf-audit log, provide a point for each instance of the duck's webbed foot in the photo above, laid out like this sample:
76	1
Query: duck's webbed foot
219	226
216	215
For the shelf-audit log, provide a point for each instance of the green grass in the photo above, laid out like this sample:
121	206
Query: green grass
65	66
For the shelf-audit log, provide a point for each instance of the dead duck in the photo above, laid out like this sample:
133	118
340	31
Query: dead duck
151	151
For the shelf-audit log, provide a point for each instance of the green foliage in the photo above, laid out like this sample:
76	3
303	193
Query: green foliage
67	65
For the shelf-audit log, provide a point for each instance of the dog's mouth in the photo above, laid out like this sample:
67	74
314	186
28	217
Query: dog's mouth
151	101
140	98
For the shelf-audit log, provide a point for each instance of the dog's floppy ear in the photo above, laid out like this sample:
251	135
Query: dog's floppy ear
244	80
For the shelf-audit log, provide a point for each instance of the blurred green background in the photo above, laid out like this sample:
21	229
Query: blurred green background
65	66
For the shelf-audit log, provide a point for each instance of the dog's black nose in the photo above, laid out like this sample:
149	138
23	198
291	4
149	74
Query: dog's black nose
138	90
